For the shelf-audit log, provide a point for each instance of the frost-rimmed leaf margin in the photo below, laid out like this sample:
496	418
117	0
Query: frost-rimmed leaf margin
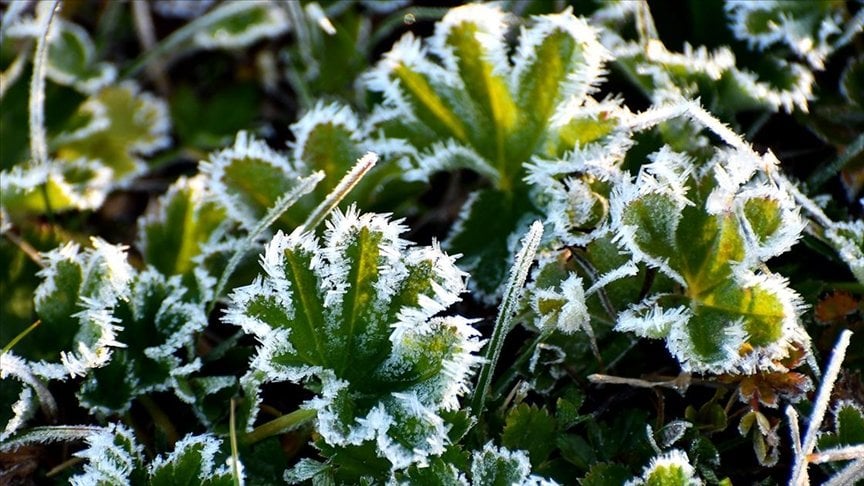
406	366
104	274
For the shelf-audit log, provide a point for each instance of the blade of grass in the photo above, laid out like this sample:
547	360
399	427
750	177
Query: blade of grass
503	323
174	41
279	425
360	169
821	176
21	335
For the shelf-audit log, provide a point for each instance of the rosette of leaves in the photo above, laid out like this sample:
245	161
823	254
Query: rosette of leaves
74	305
351	316
114	456
709	229
460	101
157	325
715	76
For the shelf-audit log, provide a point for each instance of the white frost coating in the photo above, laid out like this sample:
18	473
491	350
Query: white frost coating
275	23
848	240
648	319
672	460
23	409
112	454
589	55
491	26
571	314
629	269
245	147
334	114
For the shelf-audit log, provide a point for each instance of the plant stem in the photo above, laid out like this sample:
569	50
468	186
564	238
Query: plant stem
280	425
160	418
518	275
38	145
235	454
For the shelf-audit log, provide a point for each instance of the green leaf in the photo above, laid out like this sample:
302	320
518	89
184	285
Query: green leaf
848	427
530	428
734	317
71	60
499	466
191	463
606	474
463	104
243	27
115	126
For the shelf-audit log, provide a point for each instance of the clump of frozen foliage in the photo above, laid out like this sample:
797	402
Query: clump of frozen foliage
660	223
353	313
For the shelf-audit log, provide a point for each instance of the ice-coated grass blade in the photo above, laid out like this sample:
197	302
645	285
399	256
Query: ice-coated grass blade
503	323
360	169
305	186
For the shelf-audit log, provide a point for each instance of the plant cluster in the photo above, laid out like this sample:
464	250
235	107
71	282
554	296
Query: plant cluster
515	243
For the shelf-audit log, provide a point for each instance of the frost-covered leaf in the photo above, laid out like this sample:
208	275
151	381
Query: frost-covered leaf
530	429
709	233
670	469
355	311
71	59
253	21
80	289
714	76
113	456
848	426
499	465
116	126
157	325
192	462
18	402
459	101
331	138
177	234
808	29
248	178
58	186
848	240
